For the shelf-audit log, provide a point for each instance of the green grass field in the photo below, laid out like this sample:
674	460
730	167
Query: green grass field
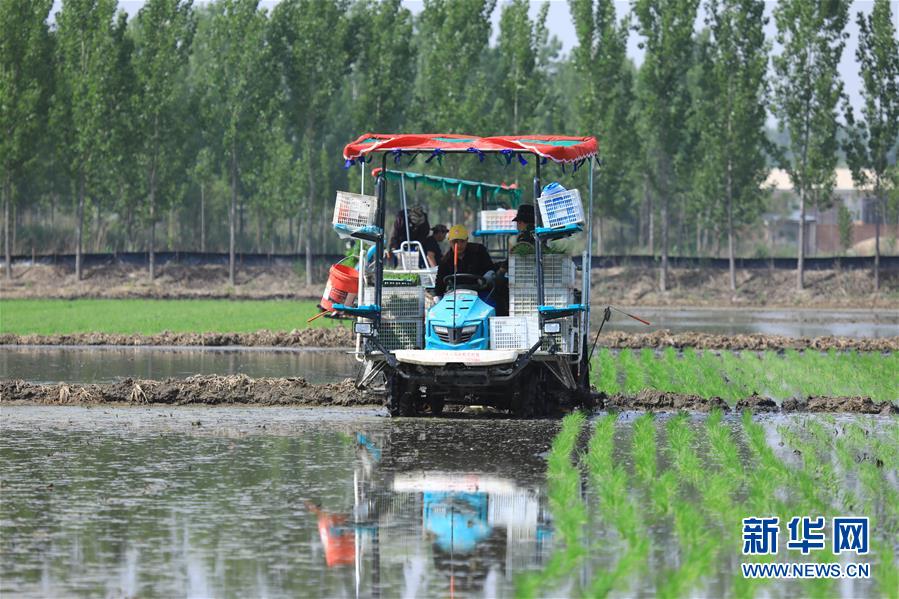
48	317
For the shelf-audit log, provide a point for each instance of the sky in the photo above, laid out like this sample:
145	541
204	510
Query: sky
560	25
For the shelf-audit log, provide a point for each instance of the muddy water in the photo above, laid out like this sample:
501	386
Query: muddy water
790	323
293	502
86	364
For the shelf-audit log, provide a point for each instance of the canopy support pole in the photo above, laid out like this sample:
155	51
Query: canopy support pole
381	187
538	246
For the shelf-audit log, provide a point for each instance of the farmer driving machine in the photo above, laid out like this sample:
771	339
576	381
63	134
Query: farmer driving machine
458	350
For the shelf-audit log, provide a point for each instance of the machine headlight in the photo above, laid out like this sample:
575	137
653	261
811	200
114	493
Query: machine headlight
470	329
362	328
551	328
441	330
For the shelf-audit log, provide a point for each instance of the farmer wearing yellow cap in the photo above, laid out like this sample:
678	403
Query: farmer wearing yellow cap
472	259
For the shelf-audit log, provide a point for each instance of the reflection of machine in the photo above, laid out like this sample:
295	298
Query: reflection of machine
416	532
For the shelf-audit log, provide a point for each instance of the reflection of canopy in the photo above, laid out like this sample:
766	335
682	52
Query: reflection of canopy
458	186
558	148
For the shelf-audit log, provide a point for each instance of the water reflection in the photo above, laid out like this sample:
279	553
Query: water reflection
104	364
231	502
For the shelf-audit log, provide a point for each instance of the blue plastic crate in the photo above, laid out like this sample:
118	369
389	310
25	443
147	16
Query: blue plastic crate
561	208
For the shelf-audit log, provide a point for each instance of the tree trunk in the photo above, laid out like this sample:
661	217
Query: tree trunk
232	217
800	261
698	237
878	207
202	217
14	225
259	231
650	214
730	229
599	238
663	273
309	230
79	217
152	246
289	233
7	253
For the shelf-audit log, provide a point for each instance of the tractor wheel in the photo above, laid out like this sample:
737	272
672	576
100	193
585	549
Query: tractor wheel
527	399
400	396
437	403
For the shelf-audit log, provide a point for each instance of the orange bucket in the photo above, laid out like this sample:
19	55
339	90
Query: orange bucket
342	287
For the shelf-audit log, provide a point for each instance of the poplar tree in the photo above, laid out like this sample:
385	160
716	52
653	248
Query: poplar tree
667	29
606	97
24	90
870	141
383	66
453	39
521	83
309	41
452	94
237	82
81	110
807	89
731	120
164	33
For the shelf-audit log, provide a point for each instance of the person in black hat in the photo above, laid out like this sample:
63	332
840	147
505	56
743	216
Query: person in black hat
525	221
432	244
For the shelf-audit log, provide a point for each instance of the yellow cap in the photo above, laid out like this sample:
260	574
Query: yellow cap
457	232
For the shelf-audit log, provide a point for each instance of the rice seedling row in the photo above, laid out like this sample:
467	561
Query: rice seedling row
610	482
732	376
874	498
568	510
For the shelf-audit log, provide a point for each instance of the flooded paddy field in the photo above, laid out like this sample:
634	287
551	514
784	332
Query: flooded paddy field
106	364
748	321
229	501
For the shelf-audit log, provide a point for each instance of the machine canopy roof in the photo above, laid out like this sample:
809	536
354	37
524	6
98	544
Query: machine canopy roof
558	148
461	187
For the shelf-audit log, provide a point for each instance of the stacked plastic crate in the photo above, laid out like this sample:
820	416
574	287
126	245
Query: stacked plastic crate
402	315
558	280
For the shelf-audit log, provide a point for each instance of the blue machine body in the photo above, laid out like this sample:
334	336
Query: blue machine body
459	321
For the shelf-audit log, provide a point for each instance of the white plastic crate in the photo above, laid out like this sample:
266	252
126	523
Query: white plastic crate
498	220
561	208
352	211
513	332
398	302
522	332
558	270
400	334
523	301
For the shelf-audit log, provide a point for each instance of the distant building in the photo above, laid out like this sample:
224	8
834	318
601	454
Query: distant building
822	231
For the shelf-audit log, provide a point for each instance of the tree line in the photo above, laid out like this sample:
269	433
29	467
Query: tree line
221	124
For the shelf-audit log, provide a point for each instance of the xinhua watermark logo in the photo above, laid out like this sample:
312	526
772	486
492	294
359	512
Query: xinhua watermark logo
849	535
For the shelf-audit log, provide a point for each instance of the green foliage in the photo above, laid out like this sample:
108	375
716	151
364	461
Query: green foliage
606	98
451	95
844	225
730	114
384	68
807	89
523	84
26	82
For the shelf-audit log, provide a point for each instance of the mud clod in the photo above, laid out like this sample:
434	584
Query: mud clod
651	400
243	390
210	390
756	403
